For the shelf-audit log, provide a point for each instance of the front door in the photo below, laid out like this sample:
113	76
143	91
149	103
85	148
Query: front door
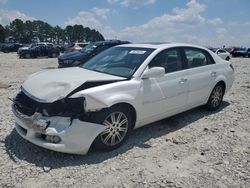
167	94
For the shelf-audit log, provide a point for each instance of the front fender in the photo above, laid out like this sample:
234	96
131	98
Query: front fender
93	103
107	95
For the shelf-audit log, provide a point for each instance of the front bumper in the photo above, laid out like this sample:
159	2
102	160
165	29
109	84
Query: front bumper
75	136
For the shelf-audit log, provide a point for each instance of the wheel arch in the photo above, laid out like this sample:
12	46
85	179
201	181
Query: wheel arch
222	82
131	108
219	81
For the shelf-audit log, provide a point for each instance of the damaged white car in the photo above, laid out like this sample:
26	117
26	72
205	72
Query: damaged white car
122	88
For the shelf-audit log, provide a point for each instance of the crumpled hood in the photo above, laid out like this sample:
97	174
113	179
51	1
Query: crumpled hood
76	55
51	85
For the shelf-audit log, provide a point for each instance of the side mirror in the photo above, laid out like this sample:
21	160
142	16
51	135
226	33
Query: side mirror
154	72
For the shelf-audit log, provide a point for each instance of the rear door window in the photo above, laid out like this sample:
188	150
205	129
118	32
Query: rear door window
197	57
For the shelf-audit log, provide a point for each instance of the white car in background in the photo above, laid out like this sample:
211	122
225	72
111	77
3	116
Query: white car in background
222	53
120	89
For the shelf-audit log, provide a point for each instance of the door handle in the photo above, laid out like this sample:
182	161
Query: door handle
183	80
213	73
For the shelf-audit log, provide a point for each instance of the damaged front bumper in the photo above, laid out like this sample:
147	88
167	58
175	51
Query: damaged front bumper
57	133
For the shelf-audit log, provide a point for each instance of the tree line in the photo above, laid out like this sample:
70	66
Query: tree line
37	30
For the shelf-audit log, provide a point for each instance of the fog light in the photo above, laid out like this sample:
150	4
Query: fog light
52	139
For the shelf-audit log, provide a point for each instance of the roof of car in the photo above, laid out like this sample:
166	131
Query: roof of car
160	45
110	42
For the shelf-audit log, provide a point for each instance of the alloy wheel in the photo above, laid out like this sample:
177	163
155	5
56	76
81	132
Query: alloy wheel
216	97
116	128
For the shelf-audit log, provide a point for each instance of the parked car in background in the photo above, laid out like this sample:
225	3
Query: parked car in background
62	48
10	47
1	44
79	57
40	51
232	50
76	46
33	45
242	52
222	53
120	89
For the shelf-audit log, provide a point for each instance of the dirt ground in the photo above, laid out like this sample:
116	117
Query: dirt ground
193	149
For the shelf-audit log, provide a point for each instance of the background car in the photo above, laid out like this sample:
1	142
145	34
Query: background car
242	52
77	58
40	51
222	53
76	46
33	45
10	47
118	90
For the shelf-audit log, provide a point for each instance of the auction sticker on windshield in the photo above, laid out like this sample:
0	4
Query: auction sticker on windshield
137	52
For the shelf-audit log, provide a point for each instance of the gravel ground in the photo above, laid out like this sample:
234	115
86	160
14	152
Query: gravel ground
193	149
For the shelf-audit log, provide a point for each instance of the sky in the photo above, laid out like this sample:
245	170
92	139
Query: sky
204	22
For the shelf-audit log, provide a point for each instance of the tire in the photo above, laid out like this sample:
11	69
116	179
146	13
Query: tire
27	55
228	58
53	55
116	133
215	98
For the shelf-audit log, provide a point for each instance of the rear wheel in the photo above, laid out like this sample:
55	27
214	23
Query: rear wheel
216	97
53	55
228	58
118	123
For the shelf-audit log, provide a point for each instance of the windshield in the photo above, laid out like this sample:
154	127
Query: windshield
119	61
89	48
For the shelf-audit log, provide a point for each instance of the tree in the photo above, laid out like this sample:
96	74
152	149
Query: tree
37	30
78	33
69	33
59	35
2	33
17	30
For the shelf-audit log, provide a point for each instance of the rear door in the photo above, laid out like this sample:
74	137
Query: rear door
201	75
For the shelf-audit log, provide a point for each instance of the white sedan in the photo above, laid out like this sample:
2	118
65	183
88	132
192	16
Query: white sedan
222	53
122	88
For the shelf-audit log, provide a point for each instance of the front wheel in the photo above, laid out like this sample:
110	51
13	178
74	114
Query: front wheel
216	97
118	123
27	55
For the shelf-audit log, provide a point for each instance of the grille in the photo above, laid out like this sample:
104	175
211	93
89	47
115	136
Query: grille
25	105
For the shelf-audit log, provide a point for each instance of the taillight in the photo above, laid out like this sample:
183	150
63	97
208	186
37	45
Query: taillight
231	66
